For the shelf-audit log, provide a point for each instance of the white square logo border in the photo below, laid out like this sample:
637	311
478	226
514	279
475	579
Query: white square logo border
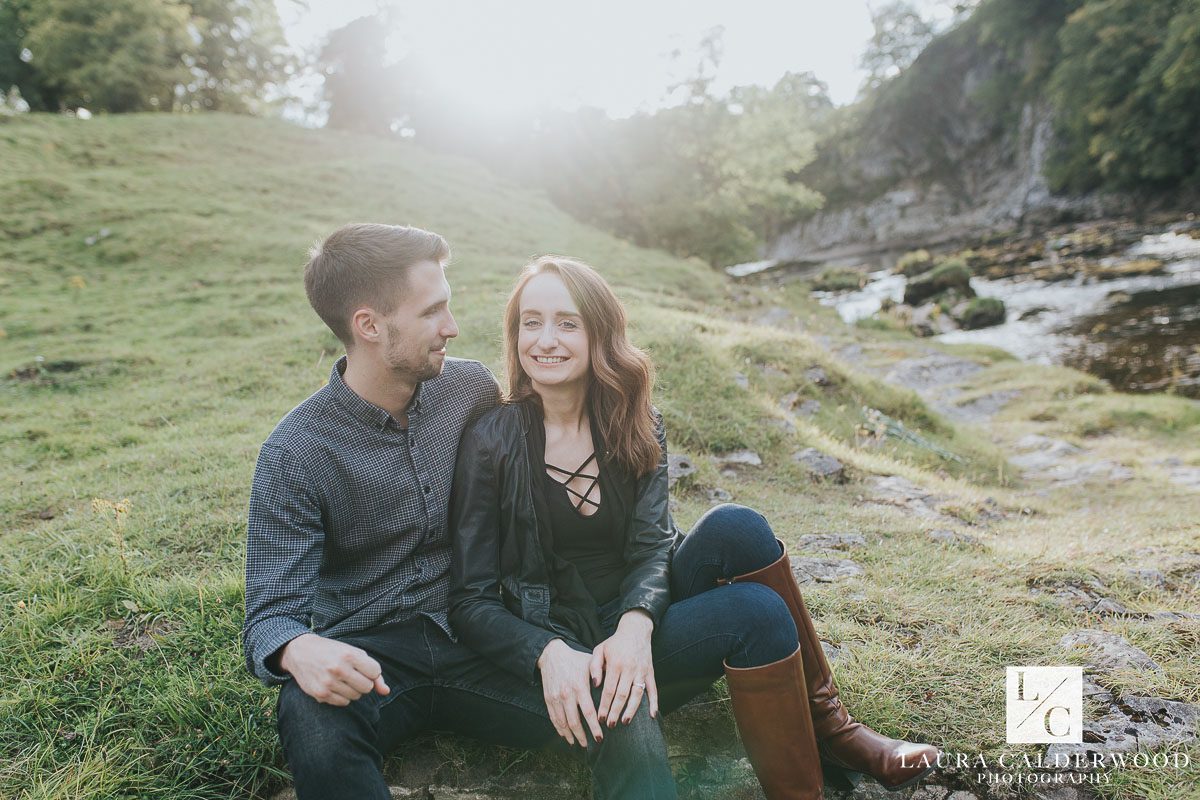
1044	705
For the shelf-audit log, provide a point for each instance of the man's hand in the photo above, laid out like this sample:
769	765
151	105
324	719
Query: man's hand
567	693
330	671
625	661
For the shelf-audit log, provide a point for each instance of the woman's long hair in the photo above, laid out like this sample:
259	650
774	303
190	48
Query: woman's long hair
621	374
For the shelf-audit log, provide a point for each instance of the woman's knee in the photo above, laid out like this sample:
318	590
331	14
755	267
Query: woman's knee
767	631
742	536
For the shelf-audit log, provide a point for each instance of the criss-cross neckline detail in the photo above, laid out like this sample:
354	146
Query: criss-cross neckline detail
585	496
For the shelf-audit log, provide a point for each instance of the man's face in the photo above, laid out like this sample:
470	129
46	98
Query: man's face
416	332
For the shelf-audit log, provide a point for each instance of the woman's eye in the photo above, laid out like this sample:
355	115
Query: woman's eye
568	325
531	323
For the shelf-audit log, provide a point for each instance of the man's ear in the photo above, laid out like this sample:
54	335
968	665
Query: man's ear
365	325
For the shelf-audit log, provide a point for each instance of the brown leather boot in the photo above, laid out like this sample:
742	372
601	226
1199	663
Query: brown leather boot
843	742
771	708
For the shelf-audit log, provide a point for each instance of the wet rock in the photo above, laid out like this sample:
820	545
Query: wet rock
1108	651
820	465
1061	463
1085	595
1033	313
831	541
1188	477
738	459
946	536
1149	577
938	793
810	407
785	425
1132	724
824	570
982	312
717	495
950	275
981	408
817	375
832	651
933	370
928	320
1095	692
772	372
792	403
778	317
678	466
897	491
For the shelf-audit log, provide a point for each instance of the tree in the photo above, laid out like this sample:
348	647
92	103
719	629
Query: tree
1127	91
238	54
121	55
361	87
138	55
901	33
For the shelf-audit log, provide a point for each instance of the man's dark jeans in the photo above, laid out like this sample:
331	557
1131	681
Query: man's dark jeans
436	684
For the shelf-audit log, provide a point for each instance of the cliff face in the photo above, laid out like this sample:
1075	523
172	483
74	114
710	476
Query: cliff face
947	153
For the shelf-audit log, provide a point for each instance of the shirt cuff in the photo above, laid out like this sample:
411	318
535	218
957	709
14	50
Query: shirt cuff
266	637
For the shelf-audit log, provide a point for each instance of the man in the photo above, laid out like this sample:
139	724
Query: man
347	554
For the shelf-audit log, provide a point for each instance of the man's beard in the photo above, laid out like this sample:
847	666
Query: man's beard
413	367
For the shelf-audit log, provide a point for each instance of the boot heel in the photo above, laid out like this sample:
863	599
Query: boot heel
841	778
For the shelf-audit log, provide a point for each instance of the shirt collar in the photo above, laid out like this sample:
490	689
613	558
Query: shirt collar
363	410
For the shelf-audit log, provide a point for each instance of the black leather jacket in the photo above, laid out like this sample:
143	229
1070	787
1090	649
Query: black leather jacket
500	592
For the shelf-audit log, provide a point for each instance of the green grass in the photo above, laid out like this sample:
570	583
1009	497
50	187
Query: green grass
151	364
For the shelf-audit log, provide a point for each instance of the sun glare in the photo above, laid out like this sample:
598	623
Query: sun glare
500	60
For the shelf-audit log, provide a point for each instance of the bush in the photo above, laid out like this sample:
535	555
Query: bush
951	273
838	279
914	263
983	312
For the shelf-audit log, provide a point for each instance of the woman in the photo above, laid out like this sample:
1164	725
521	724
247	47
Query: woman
568	567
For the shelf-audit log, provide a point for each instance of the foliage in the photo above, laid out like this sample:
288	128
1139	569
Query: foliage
361	87
142	55
119	56
712	178
239	57
836	279
914	262
1127	87
1121	77
901	33
949	274
983	312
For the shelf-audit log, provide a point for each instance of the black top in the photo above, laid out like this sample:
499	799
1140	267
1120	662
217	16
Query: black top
591	542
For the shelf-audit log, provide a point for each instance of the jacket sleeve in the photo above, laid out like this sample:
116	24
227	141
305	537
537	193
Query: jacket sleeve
284	542
652	537
477	612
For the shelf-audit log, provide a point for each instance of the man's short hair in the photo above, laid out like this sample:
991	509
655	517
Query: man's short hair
365	264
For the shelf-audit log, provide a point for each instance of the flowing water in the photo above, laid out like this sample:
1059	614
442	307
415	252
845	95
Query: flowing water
1139	333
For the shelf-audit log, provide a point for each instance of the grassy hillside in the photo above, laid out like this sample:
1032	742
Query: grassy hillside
153	328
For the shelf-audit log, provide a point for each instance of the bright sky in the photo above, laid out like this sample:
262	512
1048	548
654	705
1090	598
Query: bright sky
613	55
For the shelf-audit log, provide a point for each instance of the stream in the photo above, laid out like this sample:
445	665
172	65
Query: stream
1141	334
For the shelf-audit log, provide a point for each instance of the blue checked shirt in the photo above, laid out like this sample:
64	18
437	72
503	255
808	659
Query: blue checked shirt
347	525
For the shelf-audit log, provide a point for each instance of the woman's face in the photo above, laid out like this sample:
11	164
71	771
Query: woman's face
552	343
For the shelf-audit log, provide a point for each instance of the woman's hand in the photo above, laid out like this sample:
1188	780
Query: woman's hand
567	692
626	665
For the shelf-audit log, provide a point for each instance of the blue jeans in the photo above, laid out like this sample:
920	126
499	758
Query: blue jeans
438	684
